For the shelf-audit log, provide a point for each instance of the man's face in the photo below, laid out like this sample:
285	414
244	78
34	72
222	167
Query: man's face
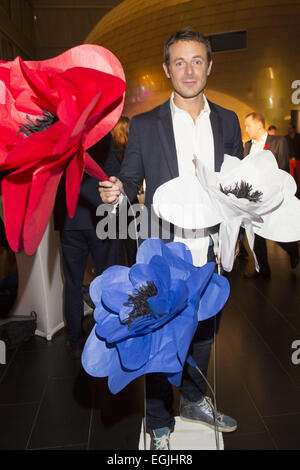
253	126
188	68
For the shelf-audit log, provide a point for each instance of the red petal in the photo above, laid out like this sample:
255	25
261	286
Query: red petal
15	190
40	91
86	55
74	174
93	169
74	134
28	195
40	205
28	202
33	148
103	91
94	57
17	82
5	78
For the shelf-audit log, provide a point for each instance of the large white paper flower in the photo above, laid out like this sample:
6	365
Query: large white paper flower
252	193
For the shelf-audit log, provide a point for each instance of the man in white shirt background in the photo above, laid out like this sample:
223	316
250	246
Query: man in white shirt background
162	144
260	140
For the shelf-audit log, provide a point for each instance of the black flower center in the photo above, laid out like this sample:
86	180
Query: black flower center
138	301
243	190
41	124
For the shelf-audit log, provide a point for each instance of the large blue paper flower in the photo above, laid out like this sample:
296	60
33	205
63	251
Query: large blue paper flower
146	315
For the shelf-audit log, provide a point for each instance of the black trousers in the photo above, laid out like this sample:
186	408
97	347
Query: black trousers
76	245
159	393
261	252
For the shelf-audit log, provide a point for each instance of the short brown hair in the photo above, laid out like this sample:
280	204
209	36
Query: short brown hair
187	34
120	136
257	116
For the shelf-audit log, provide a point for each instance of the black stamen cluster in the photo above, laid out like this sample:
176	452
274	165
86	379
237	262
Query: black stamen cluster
139	302
41	124
243	190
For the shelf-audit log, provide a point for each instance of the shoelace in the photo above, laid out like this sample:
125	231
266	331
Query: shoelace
208	405
161	443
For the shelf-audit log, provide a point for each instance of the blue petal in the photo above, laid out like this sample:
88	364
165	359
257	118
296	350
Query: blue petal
199	280
159	304
97	359
134	352
164	312
100	313
175	379
112	329
101	360
181	250
178	296
179	268
180	264
141	273
120	379
115	299
214	297
163	356
149	248
144	325
161	268
113	275
184	326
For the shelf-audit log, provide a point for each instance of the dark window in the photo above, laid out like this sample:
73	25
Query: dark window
228	41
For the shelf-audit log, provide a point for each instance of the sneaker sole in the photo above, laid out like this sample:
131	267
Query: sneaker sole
212	426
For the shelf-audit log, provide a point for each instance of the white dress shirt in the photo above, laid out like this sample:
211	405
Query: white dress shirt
258	145
193	138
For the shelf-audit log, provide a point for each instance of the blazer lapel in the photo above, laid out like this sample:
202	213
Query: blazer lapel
217	130
247	147
167	139
269	145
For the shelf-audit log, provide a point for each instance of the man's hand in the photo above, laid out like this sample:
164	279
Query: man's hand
110	190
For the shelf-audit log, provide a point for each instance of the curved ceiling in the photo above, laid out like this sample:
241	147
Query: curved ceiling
258	77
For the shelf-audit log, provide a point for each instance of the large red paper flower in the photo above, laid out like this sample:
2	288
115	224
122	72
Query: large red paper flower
51	112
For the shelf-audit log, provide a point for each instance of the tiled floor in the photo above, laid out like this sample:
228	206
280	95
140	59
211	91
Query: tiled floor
48	402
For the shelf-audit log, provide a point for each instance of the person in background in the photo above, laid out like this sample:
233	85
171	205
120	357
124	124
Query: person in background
272	130
293	141
261	140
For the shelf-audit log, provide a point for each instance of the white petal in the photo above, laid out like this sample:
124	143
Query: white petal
185	203
283	224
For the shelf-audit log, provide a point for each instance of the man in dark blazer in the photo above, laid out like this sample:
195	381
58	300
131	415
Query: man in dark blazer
260	140
159	149
255	128
78	239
